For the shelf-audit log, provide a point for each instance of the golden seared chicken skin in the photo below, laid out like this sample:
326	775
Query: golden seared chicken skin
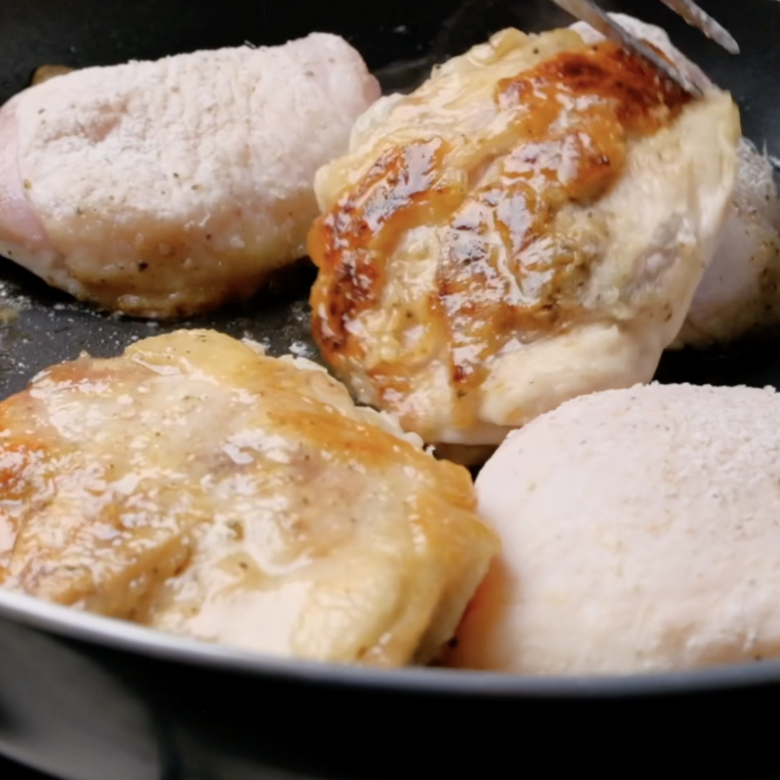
528	226
195	485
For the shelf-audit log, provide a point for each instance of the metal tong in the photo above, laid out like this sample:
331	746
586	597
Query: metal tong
587	11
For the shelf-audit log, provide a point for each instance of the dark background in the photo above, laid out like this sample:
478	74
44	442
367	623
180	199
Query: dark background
10	771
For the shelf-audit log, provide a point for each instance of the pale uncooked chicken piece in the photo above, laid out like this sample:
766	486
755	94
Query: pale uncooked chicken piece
197	486
740	292
163	189
640	533
527	226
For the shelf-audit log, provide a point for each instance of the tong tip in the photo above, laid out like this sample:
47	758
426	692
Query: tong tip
728	42
697	17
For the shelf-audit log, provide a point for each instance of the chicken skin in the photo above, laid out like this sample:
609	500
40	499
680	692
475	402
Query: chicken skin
195	485
164	189
527	226
640	534
740	292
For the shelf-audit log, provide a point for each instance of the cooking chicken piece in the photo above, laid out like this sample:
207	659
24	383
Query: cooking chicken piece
527	226
163	189
195	485
739	293
640	533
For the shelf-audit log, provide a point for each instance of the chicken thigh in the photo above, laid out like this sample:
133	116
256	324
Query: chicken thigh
640	534
739	294
163	189
197	486
529	225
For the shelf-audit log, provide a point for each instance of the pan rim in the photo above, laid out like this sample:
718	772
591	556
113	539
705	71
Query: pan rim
69	624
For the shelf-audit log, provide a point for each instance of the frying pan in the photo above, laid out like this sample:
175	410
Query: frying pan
87	698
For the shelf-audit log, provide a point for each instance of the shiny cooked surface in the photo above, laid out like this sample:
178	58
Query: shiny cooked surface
481	216
195	485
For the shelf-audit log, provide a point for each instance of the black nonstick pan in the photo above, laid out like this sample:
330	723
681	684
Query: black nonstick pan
85	698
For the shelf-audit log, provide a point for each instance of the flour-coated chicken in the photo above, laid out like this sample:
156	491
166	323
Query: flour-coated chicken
167	188
740	292
527	226
640	533
195	485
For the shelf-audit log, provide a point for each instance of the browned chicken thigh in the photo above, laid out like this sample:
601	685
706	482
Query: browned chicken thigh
195	485
529	225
